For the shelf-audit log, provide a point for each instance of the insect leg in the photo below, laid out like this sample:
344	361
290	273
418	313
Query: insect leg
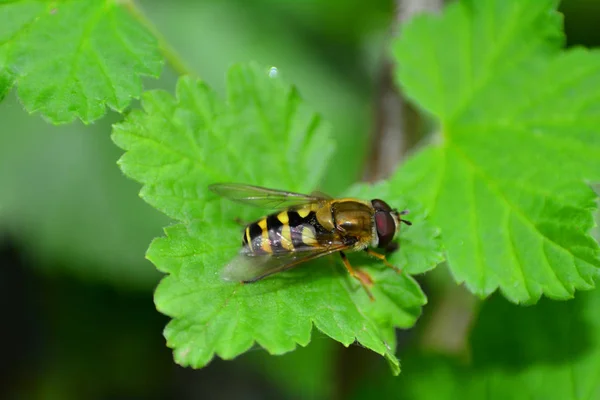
361	277
383	259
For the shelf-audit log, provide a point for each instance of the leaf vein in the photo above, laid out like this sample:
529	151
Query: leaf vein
516	256
523	216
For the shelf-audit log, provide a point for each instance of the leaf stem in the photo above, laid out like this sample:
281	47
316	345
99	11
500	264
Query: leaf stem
169	53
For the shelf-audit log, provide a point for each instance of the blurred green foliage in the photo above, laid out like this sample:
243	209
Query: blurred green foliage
66	203
550	351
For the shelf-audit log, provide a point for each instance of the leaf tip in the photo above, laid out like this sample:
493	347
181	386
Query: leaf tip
394	363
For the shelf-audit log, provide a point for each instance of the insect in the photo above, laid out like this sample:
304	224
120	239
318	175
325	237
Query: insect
307	227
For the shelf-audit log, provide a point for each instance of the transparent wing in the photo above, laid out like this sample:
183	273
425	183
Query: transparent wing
251	268
321	195
263	197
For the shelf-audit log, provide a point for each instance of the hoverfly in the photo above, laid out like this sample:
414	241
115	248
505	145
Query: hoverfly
307	227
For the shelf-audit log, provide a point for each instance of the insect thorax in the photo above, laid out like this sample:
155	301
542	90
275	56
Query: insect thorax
353	218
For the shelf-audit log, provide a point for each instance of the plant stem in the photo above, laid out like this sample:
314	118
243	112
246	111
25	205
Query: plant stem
396	123
169	53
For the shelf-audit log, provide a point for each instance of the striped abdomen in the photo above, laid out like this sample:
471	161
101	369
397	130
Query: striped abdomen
284	232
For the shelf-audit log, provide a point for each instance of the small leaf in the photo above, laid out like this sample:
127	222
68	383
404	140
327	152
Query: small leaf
70	59
506	180
262	135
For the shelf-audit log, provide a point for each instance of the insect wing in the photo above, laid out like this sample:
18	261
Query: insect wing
321	195
251	268
263	197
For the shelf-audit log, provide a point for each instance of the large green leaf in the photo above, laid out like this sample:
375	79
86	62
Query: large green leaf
519	138
263	134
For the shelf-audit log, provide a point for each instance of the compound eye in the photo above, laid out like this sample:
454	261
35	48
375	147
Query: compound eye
386	228
380	205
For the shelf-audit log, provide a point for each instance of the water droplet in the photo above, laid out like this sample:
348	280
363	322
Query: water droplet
273	72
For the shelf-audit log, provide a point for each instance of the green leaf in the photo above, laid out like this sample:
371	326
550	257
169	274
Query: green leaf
264	135
550	351
506	177
70	59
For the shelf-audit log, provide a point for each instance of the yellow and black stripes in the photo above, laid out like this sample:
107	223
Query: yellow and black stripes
274	226
284	232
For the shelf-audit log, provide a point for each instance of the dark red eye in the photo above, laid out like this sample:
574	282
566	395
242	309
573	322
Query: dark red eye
380	205
386	228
